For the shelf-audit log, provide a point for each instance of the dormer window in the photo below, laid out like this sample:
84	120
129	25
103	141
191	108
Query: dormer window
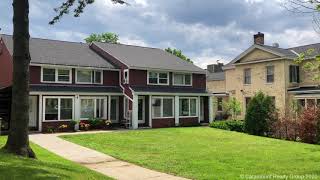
87	76
158	78
180	79
55	75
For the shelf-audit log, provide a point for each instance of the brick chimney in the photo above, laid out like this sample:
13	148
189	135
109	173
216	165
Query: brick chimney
258	38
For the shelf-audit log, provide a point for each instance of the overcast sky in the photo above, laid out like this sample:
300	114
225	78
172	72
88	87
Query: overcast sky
205	30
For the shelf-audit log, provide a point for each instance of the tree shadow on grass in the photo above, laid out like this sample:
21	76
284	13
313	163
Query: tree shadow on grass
13	167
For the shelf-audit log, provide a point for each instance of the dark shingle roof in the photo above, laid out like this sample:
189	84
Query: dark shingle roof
287	53
44	51
220	76
148	58
306	90
70	88
165	89
303	49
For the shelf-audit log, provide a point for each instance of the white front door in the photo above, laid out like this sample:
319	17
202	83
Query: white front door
33	111
141	110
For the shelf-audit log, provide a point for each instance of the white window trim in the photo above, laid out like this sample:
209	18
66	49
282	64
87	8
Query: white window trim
161	107
92	79
59	100
56	75
158	80
94	106
184	79
189	98
270	74
126	80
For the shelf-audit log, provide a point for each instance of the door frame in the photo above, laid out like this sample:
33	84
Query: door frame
143	110
34	106
117	110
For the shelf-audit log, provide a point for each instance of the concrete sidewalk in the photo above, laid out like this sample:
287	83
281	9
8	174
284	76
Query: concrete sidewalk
95	160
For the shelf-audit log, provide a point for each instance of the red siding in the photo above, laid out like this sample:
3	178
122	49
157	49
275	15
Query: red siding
6	66
138	77
163	123
199	81
110	78
189	121
35	74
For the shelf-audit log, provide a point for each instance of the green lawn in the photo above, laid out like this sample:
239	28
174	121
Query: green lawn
206	153
47	166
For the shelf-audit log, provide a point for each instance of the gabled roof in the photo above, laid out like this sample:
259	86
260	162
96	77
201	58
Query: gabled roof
289	53
54	52
137	57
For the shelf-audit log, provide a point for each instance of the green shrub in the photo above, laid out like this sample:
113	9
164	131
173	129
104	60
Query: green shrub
95	123
231	125
260	115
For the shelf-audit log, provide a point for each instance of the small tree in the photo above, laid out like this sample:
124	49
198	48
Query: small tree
260	115
108	37
233	106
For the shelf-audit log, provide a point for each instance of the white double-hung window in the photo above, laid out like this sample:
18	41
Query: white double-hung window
188	107
158	78
55	75
162	107
180	79
87	76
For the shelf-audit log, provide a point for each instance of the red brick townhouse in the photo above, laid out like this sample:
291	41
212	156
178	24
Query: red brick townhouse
136	86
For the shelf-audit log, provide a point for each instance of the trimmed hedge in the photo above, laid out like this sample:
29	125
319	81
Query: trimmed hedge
230	125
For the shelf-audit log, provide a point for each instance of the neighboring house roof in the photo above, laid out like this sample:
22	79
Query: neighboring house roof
71	88
137	57
289	53
165	89
54	52
220	76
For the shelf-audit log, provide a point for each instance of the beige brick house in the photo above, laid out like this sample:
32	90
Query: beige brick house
269	69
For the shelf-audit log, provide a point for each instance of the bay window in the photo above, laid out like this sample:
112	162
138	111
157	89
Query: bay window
162	107
55	75
58	108
158	78
92	108
85	76
188	107
182	79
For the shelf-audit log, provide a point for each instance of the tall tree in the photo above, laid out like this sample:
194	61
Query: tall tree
18	140
178	53
107	37
311	7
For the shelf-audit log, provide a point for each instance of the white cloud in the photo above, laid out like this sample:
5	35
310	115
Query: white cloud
133	40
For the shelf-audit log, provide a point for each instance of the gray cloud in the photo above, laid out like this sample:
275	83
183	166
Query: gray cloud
205	30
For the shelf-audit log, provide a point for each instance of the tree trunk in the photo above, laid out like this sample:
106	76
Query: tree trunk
18	140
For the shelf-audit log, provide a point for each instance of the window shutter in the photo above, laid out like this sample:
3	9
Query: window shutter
298	74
